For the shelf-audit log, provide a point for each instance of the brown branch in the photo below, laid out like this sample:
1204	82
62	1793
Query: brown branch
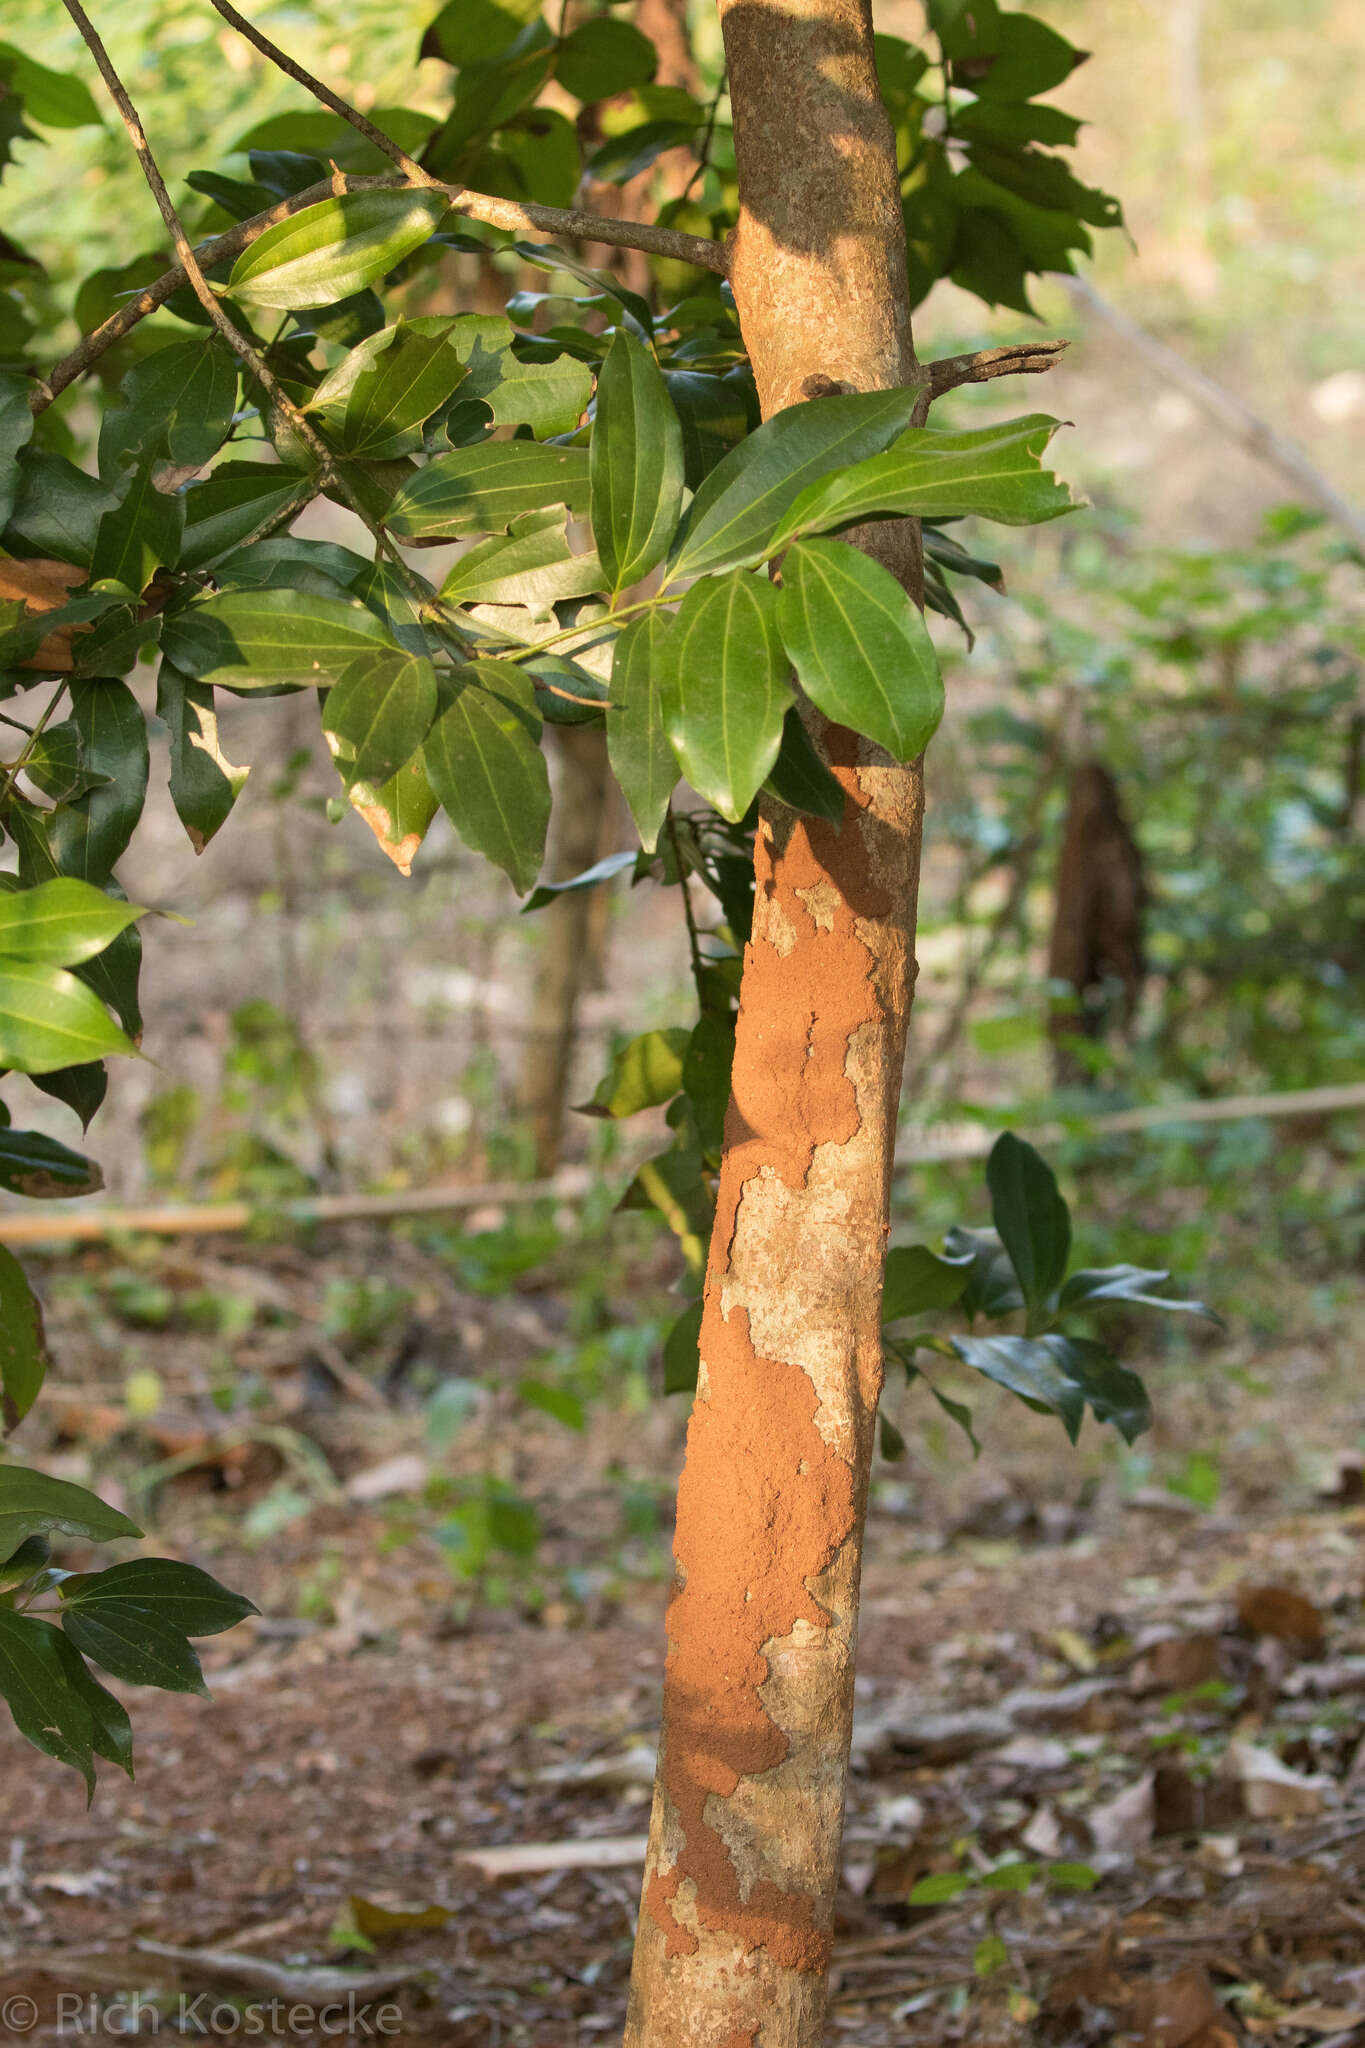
1020	358
482	206
283	62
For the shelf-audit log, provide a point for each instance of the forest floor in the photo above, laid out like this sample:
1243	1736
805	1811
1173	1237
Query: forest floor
1109	1730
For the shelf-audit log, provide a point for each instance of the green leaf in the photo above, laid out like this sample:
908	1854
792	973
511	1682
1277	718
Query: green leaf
931	473
23	1347
636	460
244	640
555	1401
54	99
800	778
176	403
992	1289
239	499
134	1620
112	1735
681	1347
62	922
1062	1374
469	32
1031	1217
334	248
35	1165
1029	58
376	410
549	398
643	1073
81	1088
601	871
16	425
138	536
31	1504
890	1441
48	1019
1094	1286
483	489
204	783
938	1888
860	646
379	713
602	57
744	501
399	813
727	688
707	1064
918	1282
713	417
57	508
88	834
489	773
641	758
672	1184
532	564
36	1685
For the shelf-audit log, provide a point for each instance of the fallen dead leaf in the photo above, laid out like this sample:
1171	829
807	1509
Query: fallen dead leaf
406	1473
1323	2019
1178	1664
1180	2012
1280	1612
1123	1825
1270	1789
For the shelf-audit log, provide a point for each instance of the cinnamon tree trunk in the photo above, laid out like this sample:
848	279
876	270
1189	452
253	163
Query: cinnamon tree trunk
734	1937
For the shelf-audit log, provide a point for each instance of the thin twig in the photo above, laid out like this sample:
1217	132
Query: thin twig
693	935
283	62
505	214
1018	359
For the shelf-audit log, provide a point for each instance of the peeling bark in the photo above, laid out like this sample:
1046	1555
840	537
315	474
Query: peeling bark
734	1938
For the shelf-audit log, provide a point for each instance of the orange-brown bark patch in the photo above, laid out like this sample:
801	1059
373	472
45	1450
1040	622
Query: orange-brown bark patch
765	1502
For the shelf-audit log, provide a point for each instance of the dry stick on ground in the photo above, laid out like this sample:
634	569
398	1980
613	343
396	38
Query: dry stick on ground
1256	435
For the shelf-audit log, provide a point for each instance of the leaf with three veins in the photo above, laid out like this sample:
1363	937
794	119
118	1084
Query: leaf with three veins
636	463
32	1504
642	760
487	770
379	713
37	1166
35	1684
334	248
726	688
135	1619
244	640
140	535
204	783
400	813
860	646
62	922
531	564
48	1019
89	833
744	502
930	473
175	404
483	489
375	409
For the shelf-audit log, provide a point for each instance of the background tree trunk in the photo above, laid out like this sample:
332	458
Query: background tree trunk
1096	921
573	936
743	1862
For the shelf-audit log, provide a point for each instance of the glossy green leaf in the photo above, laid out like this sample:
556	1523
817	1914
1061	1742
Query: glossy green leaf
992	1289
56	509
48	1019
37	1166
204	783
334	248
644	1072
36	1686
726	688
1096	1286
112	1731
918	1282
1029	58
642	760
483	489
138	536
1030	1215
32	1504
713	417
682	1351
379	713
746	498
602	57
1062	1374
636	463
469	32
62	922
23	1347
548	397
91	832
672	1183
557	1402
860	646
81	1088
399	812
183	1596
488	772
800	779
532	564
377	411
239	499
995	472
16	425
707	1065
244	640
176	403
604	870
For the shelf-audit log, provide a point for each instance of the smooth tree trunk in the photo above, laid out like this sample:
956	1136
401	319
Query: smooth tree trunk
735	1926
